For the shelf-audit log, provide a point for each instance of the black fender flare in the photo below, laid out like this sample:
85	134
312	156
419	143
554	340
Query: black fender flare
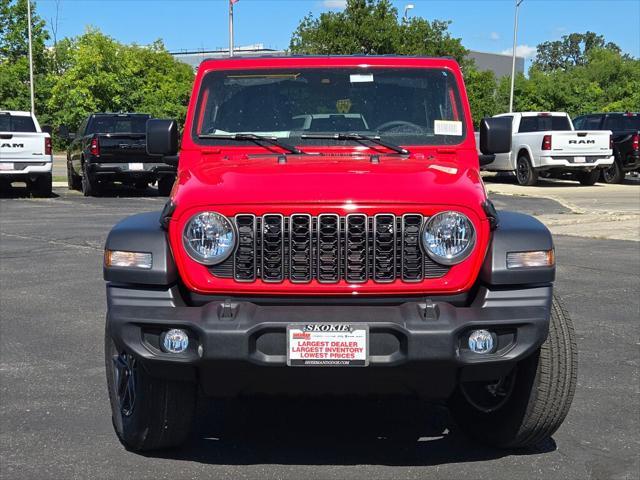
516	232
142	233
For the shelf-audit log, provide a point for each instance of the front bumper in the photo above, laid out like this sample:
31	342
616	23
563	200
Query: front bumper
584	162
119	171
417	346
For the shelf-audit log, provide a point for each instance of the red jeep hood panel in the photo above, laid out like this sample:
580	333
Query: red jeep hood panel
329	180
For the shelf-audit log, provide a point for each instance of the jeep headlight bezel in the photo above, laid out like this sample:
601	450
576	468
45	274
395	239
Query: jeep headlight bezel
217	238
448	237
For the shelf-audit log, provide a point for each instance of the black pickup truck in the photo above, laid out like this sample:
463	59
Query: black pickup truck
626	140
112	147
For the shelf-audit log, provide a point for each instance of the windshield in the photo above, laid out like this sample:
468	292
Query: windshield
118	124
401	106
16	123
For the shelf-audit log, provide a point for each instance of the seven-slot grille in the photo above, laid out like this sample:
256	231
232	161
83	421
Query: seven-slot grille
329	248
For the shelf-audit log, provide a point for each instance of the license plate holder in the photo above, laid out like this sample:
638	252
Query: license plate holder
579	160
136	167
7	166
328	345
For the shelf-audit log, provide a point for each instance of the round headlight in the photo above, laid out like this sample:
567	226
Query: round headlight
448	237
209	238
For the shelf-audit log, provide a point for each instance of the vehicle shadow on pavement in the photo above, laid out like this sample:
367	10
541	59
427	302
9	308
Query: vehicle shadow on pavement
19	192
331	431
126	191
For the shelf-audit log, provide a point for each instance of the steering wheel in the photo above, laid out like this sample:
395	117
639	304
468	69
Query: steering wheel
398	124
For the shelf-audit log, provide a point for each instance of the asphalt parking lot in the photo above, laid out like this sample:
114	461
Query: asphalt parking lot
54	411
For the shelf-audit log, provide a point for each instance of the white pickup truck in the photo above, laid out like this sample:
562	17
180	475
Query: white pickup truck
25	153
546	144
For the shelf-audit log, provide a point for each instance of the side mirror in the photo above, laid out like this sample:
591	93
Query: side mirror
486	159
495	135
64	133
162	137
47	129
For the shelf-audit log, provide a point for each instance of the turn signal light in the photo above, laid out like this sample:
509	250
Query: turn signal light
542	258
546	142
94	148
117	258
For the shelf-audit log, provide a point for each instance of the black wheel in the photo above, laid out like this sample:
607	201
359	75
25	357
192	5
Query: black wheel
90	186
613	174
41	187
527	406
147	413
525	173
588	178
73	180
165	184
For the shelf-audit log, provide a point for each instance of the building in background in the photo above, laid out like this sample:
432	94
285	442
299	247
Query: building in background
498	63
195	57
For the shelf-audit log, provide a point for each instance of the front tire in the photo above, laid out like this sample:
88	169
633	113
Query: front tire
42	186
613	174
536	396
147	413
525	173
165	184
588	178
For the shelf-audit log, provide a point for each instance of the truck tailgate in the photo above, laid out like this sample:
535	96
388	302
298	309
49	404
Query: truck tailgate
22	146
580	142
123	147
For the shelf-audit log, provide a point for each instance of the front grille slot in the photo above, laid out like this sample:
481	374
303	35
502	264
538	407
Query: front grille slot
272	247
300	248
329	248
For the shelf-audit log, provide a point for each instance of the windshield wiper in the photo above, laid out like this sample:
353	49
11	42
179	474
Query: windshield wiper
357	137
257	139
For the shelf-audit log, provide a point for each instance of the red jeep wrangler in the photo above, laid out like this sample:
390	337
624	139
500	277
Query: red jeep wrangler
329	232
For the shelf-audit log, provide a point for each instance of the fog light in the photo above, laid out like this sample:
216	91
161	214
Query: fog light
175	341
480	341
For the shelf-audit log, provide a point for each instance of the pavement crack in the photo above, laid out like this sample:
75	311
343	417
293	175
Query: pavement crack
53	241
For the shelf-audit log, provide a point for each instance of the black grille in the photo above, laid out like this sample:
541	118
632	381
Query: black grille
329	248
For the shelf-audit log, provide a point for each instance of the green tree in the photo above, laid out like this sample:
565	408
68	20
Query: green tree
481	89
14	55
572	50
101	75
372	27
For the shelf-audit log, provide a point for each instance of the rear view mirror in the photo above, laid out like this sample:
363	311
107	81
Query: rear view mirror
162	137
495	135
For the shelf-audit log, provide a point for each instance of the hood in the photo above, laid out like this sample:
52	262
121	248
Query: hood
329	179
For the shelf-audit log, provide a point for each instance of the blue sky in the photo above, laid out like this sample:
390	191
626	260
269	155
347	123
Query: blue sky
482	25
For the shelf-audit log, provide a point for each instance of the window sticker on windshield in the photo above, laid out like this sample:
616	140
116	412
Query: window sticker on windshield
359	78
447	127
343	105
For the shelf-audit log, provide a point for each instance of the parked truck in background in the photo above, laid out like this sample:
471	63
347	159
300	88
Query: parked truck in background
25	153
625	128
296	256
546	144
112	147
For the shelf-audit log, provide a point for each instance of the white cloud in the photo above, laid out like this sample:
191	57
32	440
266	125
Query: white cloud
521	51
494	36
334	4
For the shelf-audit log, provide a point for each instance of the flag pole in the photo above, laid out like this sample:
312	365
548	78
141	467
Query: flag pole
231	28
33	107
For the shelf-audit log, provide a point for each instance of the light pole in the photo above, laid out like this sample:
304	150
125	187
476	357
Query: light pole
33	107
408	7
513	54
